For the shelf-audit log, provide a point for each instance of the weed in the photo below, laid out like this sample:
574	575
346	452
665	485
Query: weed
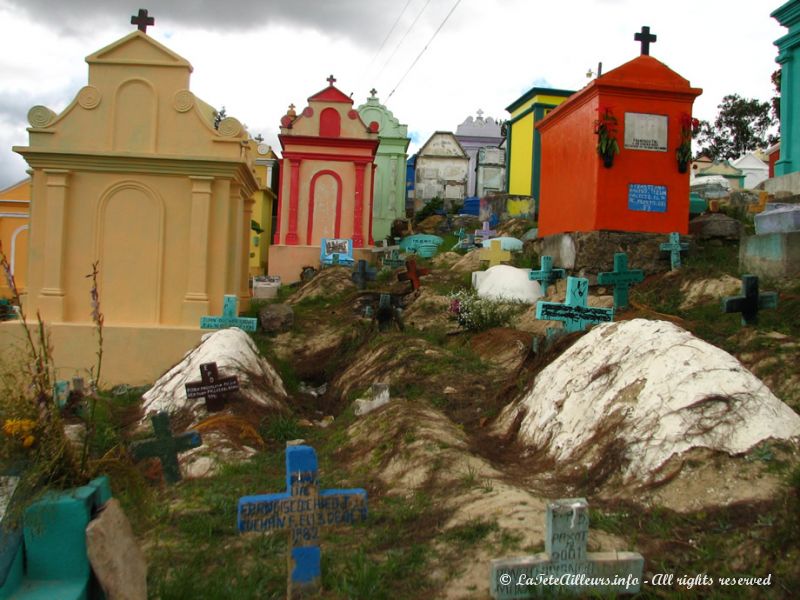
471	532
283	428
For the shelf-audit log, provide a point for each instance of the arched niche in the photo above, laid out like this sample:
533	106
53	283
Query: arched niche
324	207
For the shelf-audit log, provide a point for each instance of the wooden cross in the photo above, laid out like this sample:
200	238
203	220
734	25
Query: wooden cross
646	38
142	20
362	273
302	509
412	274
165	447
495	254
230	317
546	275
750	302
331	80
621	278
674	247
485	233
214	388
567	523
574	313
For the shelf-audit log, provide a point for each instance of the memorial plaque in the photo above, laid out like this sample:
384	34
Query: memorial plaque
646	132
647	198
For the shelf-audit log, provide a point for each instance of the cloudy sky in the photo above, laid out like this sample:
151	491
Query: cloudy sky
257	56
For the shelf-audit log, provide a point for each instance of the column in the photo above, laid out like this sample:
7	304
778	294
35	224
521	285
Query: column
294	200
244	277
280	199
372	173
236	210
788	15
358	211
51	295
195	302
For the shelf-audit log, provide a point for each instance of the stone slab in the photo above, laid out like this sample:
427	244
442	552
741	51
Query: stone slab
785	183
778	220
774	255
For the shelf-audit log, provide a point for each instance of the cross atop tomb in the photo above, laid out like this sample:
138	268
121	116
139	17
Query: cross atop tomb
302	509
142	20
373	91
567	523
645	38
480	113
331	80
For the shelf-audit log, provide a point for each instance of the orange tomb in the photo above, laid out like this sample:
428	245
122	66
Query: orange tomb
643	190
326	186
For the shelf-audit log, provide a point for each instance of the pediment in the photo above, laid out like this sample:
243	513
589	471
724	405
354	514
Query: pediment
138	48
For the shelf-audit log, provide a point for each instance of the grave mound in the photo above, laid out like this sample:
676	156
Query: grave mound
629	399
503	282
698	291
332	281
235	355
468	263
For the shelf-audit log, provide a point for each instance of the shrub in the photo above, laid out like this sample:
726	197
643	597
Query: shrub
476	314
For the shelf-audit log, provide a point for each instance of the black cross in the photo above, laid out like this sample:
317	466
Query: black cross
750	301
373	91
142	20
646	38
331	80
214	388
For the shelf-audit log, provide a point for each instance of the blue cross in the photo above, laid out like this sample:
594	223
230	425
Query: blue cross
674	247
230	317
363	272
574	313
302	509
546	275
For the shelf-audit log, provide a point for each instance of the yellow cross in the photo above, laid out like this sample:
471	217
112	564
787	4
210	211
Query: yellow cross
495	254
762	203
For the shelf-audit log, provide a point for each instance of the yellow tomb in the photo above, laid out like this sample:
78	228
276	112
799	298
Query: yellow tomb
134	174
15	204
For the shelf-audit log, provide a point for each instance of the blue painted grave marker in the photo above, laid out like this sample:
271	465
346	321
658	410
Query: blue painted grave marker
165	447
621	278
230	317
333	251
546	275
302	509
542	574
362	273
574	313
750	302
674	247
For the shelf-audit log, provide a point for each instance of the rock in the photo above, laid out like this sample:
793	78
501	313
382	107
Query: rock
589	253
715	226
380	397
203	466
702	290
629	396
325	421
503	282
235	354
449	390
115	556
276	317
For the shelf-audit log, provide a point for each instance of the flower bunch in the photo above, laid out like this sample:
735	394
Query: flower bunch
605	127
690	127
21	429
477	314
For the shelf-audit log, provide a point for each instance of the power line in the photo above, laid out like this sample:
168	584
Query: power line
402	39
388	35
435	33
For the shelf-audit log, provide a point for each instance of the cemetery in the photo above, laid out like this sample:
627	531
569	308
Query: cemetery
597	397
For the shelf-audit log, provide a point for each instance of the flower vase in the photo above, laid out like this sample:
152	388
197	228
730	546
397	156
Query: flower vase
608	160
683	166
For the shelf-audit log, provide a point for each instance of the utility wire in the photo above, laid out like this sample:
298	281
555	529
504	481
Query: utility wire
402	39
388	35
435	33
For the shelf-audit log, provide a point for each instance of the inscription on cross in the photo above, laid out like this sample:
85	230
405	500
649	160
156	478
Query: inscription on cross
230	317
674	246
142	21
621	278
303	509
645	38
750	302
214	388
574	313
165	447
567	524
546	275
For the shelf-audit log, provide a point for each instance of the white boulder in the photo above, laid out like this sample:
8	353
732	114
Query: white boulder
235	354
503	282
644	391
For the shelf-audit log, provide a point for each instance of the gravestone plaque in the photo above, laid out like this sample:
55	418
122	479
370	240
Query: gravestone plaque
212	387
335	251
165	447
574	313
647	198
565	567
646	132
302	510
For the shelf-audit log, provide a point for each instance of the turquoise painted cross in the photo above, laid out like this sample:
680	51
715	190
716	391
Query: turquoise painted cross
546	275
230	317
621	278
750	302
165	447
674	247
362	273
565	567
574	313
303	509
